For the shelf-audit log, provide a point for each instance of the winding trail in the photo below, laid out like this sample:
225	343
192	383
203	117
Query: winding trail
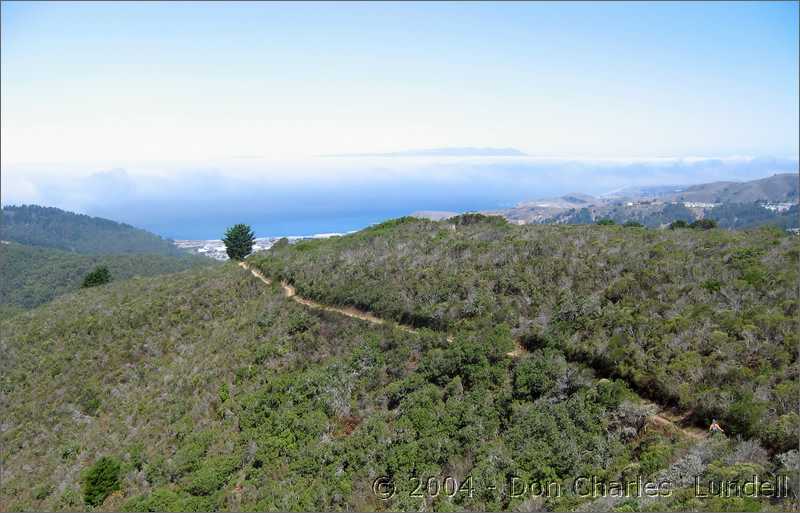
665	418
291	293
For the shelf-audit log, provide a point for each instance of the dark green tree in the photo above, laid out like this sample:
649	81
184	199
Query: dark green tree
633	224
100	276
238	241
280	243
679	223
101	480
605	222
703	224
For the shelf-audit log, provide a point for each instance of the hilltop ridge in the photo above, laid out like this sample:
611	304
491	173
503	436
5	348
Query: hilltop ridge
51	227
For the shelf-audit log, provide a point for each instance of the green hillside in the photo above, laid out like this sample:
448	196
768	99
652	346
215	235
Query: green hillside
209	389
750	215
54	228
704	320
30	276
735	216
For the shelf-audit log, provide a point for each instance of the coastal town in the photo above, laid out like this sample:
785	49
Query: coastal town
215	248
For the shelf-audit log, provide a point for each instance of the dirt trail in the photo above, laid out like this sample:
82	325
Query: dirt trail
291	293
665	417
518	351
677	420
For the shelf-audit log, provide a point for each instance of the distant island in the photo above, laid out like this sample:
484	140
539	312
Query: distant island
442	152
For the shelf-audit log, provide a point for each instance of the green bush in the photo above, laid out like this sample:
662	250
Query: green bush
164	499
89	400
42	491
472	218
654	457
211	475
537	375
100	480
99	276
703	224
745	415
191	452
782	434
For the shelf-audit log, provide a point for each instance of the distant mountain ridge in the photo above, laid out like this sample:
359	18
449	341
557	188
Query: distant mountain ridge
771	200
776	188
442	152
51	227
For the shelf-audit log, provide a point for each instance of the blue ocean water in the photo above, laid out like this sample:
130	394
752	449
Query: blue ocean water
326	196
296	214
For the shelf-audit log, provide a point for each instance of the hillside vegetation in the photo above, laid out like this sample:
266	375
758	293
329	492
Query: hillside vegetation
54	228
209	389
751	215
737	216
704	320
30	276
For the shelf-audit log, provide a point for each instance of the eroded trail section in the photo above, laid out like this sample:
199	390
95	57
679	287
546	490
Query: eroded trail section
677	420
664	418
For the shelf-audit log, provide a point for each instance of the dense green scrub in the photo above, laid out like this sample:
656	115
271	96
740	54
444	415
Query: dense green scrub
705	320
30	276
209	390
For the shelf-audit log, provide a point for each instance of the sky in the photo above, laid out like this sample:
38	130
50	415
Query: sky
180	117
175	81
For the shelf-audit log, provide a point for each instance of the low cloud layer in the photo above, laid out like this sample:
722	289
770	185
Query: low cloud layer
184	201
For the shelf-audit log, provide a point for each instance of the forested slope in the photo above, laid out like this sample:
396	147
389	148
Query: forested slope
30	276
54	228
705	320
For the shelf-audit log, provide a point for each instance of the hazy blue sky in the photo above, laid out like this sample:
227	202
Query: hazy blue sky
96	82
186	117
